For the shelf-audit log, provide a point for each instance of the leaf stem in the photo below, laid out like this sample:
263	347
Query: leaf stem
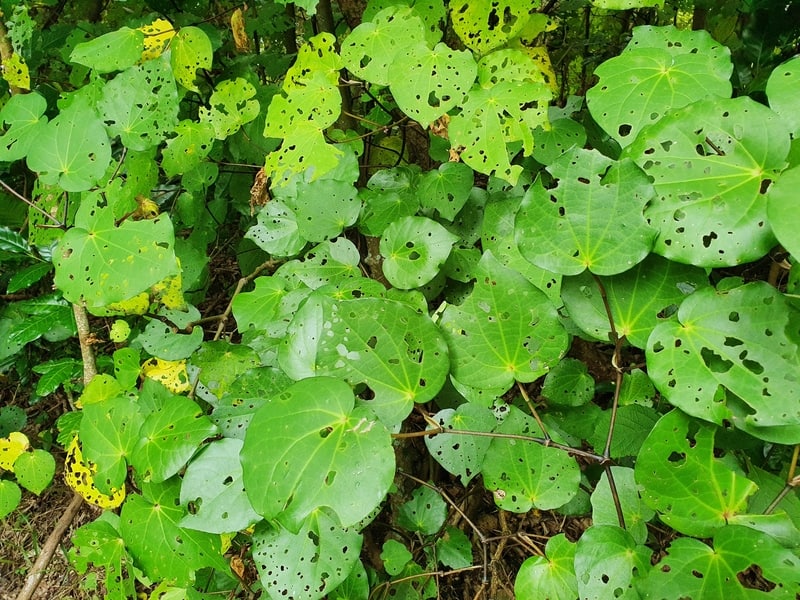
533	411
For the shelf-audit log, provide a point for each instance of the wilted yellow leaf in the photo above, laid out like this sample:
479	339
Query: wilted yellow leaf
156	36
11	448
169	373
240	37
79	475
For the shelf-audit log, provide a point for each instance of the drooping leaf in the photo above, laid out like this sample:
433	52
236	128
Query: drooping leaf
593	219
190	50
524	474
113	51
744	340
550	576
639	298
321	449
661	69
212	485
462	455
397	352
692	491
414	249
694	569
710	163
309	563
151	529
608	563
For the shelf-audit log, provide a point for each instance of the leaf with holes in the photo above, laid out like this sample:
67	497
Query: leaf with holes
304	149
640	298
568	383
189	147
484	25
782	93
523	474
414	250
140	105
309	563
459	454
609	563
711	164
744	340
231	105
113	51
150	526
323	451
446	189
432	12
35	469
428	83
213	490
73	150
319	221
425	512
549	576
330	262
99	263
593	219
783	207
505	331
693	491
563	135
661	69
24	116
387	345
190	50
693	569
635	512
220	363
491	118
276	231
371	49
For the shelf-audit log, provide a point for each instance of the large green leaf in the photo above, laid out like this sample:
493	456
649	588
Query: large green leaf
397	352
73	150
782	93
608	563
321	448
506	330
213	485
427	83
523	475
640	298
661	69
550	576
99	263
414	250
112	51
484	25
462	455
693	569
24	115
783	208
693	491
141	104
711	163
370	50
150	526
309	563
591	220
744	340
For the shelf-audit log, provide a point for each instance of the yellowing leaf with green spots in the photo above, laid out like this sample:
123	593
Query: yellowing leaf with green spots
169	373
156	36
11	448
79	475
15	72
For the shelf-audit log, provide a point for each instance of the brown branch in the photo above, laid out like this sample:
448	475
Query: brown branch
87	354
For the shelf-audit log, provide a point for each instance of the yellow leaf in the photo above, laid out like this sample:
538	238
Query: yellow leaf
169	373
11	448
240	37
145	208
15	72
170	292
542	59
138	305
156	36
79	475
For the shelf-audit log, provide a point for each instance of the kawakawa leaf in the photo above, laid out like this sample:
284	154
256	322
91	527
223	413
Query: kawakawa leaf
782	93
655	74
743	340
592	219
783	207
693	491
551	575
711	164
487	24
190	50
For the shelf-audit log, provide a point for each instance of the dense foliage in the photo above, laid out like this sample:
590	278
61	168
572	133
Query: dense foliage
352	265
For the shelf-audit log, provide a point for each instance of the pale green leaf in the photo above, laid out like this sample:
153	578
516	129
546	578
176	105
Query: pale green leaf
550	576
608	563
484	25
782	93
112	51
190	50
414	250
24	116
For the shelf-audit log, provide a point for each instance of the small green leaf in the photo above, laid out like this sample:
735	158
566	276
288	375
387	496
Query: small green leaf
277	231
55	372
415	248
661	69
727	151
151	529
693	491
190	50
550	576
781	91
609	563
568	383
35	470
446	189
390	195
506	330
453	549
332	262
10	497
309	563
12	418
783	206
160	339
24	115
99	544
524	474
231	105
636	512
191	144
304	149
593	219
13	242
319	221
692	569
462	455
321	449
26	277
221	363
213	489
395	557
424	513
112	51
632	426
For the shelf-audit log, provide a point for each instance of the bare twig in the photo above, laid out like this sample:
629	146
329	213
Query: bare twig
19	196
